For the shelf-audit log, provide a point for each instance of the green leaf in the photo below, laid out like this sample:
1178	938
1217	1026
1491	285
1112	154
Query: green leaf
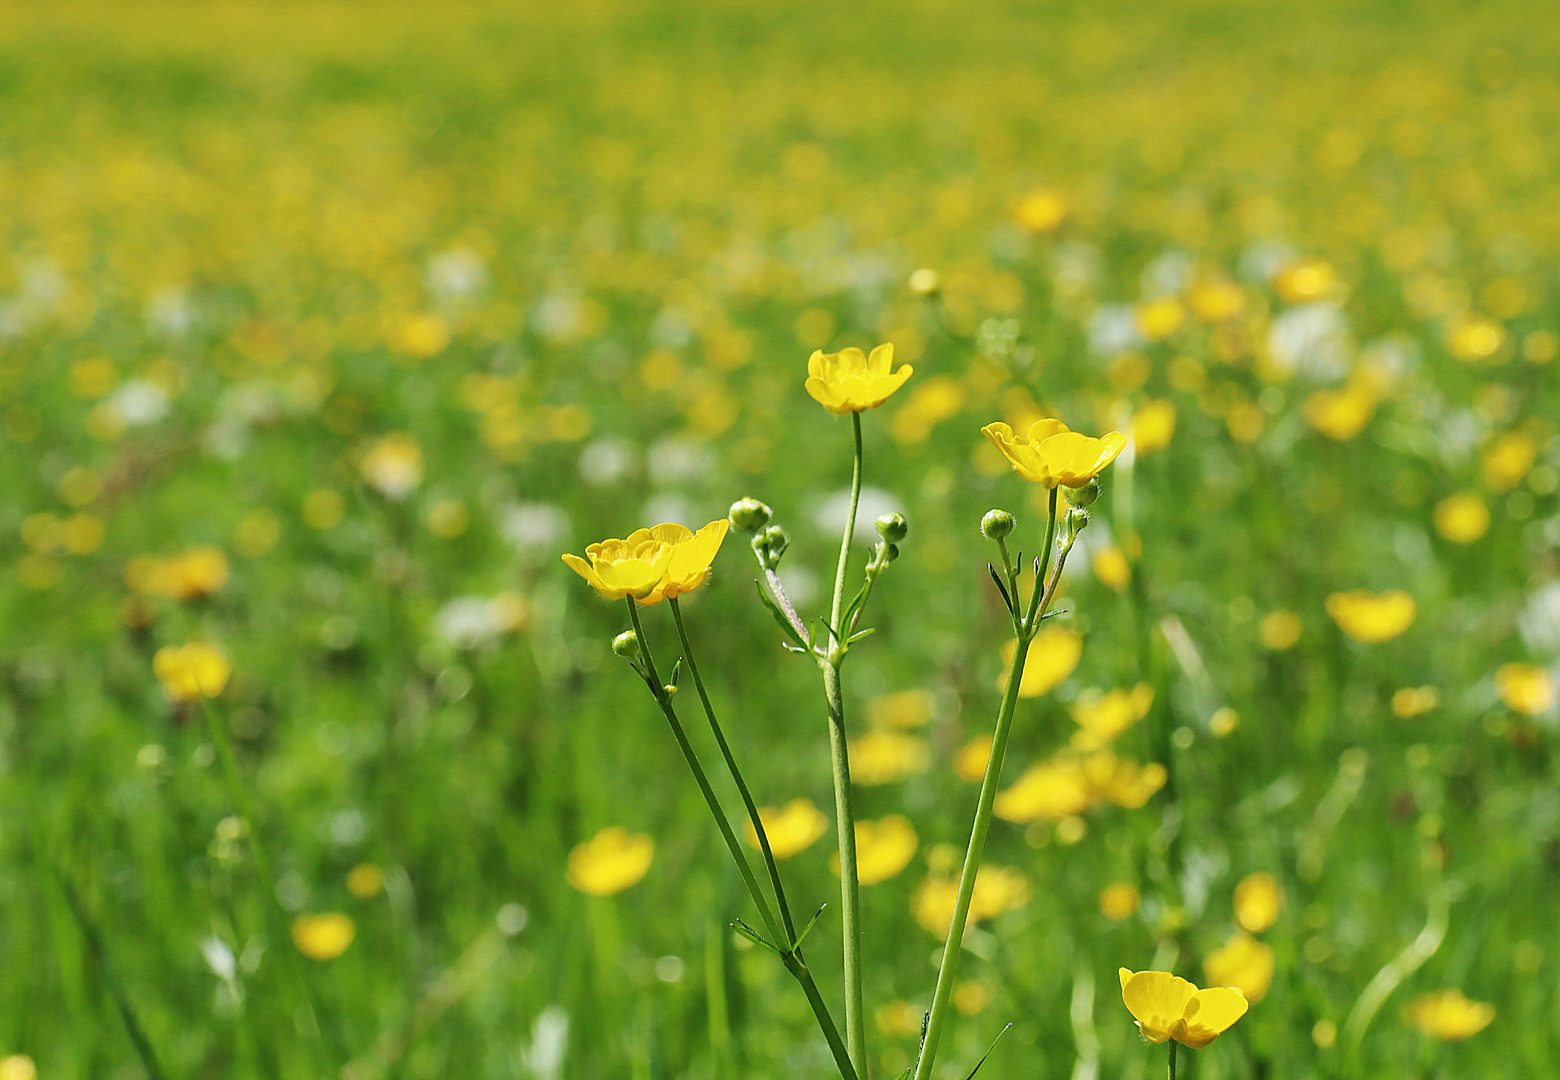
808	928
757	939
859	634
987	1054
774	609
676	671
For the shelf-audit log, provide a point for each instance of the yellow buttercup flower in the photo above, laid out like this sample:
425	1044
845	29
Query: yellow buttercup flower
1053	654
692	553
1462	518
791	828
1168	1007
1103	717
610	861
1244	963
1122	780
1525	688
851	381
1372	617
1120	900
1153	426
193	671
886	757
323	937
1279	630
1258	899
1049	453
883	848
1446	1014
620	568
997	889
1049	791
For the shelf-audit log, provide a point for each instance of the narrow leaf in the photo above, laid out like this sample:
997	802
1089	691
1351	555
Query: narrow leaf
859	634
774	609
755	937
808	928
676	671
1001	588
987	1054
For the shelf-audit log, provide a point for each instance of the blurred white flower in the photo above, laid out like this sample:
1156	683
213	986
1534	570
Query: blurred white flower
678	459
606	461
875	502
1540	620
455	275
535	528
1112	329
549	1044
138	401
219	958
1312	340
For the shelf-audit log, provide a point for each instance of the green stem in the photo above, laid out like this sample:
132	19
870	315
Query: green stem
1173	1045
844	809
1040	599
244	806
736	775
789	956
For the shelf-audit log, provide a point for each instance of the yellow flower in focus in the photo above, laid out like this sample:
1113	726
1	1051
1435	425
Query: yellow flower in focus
1525	688
1216	301
1167	1007
1050	454
611	861
323	937
792	828
1258	899
1509	459
1120	900
1341	414
1446	1014
1410	701
1372	617
1474	340
969	764
1111	567
1244	963
997	889
1048	791
1101	718
193	671
1305	280
1041	211
692	554
1153	426
619	568
1158	319
906	709
851	381
883	848
365	880
393	465
1462	518
1279	630
886	757
1053	654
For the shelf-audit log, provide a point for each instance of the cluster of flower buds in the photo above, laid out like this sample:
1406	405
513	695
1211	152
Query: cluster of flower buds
769	541
893	528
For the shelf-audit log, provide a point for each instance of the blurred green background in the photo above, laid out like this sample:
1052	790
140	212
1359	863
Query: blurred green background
377	308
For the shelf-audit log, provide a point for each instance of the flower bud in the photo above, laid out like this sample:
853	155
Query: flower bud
891	553
997	524
748	515
671	691
1085	495
775	540
626	645
1077	518
893	527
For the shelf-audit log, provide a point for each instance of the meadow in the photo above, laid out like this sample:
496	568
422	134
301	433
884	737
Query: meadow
326	328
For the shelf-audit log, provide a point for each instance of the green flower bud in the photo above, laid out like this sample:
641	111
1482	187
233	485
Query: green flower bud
775	540
748	515
626	645
997	524
1084	496
1077	518
893	527
671	691
892	553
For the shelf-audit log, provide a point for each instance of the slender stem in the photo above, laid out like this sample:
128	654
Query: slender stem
244	806
1173	1045
790	957
1039	600
839	759
736	775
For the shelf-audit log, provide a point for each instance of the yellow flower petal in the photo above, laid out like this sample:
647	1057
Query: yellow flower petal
1157	1000
850	381
1210	1013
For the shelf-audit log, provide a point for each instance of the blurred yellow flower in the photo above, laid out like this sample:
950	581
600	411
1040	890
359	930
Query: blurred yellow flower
851	381
886	757
1111	568
905	709
1042	210
82	534
322	509
18	1067
969	764
1509	459
692	554
323	937
80	486
1476	339
1215	301
1372	617
1158	319
1120	900
791	828
1224	722
898	1018
365	880
997	889
189	672
1123	781
619	568
1053	654
421	336
1525	688
1412	700
448	518
971	997
393	465
883	848
1101	718
1462	518
1050	454
1306	280
1244	963
1279	630
1048	790
931	402
1153	426
609	862
1446	1014
197	572
1258	899
1167	1007
1341	414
